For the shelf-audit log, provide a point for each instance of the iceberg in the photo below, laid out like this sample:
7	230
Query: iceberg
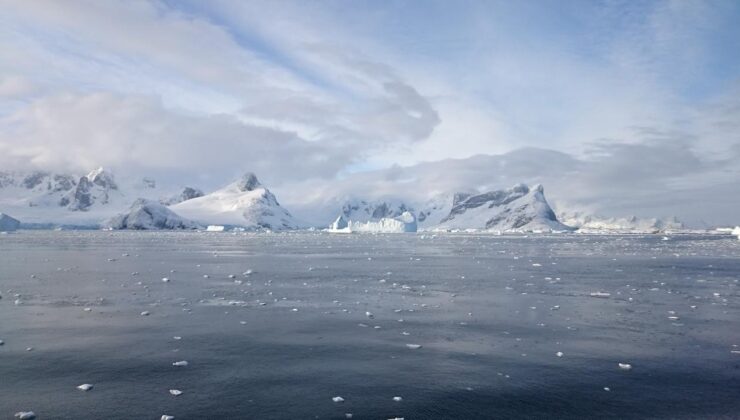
404	223
147	214
736	232
8	224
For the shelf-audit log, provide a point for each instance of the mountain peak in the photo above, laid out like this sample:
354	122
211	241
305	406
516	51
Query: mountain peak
248	182
102	178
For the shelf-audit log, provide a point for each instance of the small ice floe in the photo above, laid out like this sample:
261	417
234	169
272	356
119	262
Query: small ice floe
337	399
85	387
205	276
397	418
25	415
180	363
397	399
177	337
144	313
175	392
347	415
2	342
29	348
166	279
413	346
602	295
87	309
369	315
559	354
625	366
607	389
166	417
232	276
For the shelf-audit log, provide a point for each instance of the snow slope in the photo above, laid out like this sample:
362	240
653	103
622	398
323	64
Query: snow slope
146	214
244	203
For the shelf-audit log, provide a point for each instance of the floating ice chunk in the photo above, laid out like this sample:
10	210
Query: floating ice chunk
85	387
166	417
559	354
413	346
369	315
180	363
177	337
25	415
397	418
175	392
215	228
166	279
337	399
625	366
607	389
397	399
600	294
145	313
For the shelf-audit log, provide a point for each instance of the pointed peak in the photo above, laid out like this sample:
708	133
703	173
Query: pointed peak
102	177
248	182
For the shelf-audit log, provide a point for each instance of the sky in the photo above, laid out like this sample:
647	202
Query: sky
617	107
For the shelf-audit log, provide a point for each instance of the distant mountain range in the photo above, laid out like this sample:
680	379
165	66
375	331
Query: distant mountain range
45	199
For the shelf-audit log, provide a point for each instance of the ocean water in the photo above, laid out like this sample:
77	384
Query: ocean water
508	327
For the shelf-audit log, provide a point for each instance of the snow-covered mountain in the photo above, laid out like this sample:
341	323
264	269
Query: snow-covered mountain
43	198
244	203
146	214
586	223
516	209
185	194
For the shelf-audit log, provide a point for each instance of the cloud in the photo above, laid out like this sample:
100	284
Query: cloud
137	134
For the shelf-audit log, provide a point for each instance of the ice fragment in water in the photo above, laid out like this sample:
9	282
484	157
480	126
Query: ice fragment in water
337	399
625	366
413	346
180	363
175	392
25	415
397	399
85	387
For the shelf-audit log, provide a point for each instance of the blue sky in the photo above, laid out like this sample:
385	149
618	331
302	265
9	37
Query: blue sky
323	90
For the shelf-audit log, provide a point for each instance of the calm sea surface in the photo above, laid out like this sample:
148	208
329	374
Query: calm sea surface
274	326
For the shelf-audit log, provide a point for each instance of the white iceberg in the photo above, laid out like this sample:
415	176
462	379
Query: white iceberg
406	222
